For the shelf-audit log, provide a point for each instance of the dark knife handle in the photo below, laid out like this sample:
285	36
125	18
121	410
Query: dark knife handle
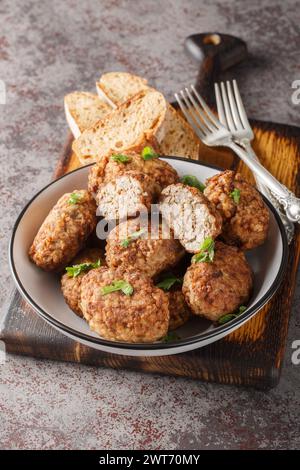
215	53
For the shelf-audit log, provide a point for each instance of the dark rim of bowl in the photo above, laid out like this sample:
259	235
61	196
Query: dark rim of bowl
219	330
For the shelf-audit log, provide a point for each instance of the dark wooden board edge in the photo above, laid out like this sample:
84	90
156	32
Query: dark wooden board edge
197	364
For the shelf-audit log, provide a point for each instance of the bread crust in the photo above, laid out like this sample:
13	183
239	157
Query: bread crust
83	110
179	138
123	129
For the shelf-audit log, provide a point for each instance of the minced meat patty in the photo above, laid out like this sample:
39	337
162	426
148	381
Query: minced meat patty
245	217
64	231
108	168
126	195
142	316
133	244
71	286
190	214
222	286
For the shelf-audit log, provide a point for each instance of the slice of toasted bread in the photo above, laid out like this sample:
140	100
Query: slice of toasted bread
136	122
83	110
179	140
117	87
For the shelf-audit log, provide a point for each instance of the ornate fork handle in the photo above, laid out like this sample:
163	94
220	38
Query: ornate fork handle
290	203
288	200
287	223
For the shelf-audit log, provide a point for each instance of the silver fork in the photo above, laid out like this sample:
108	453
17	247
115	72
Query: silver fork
213	133
232	115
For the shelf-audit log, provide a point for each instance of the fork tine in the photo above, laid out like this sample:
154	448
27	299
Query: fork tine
205	129
188	116
220	107
200	112
206	108
233	107
241	109
227	108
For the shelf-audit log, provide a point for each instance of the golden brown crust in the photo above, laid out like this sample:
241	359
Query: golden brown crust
246	223
151	256
214	289
64	231
71	286
178	308
142	317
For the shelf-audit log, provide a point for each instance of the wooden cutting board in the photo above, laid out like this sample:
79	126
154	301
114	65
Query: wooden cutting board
251	355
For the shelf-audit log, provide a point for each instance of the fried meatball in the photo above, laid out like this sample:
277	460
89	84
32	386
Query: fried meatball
71	286
222	286
178	308
246	220
190	214
64	231
125	196
107	169
141	317
133	243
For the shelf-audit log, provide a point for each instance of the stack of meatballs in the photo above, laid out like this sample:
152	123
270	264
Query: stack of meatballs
152	276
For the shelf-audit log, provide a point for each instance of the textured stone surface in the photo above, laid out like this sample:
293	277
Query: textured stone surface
48	49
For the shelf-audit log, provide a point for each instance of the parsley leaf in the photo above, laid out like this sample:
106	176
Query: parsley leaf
226	318
169	281
236	195
74	198
242	309
118	157
125	243
191	180
171	336
206	253
230	316
121	285
76	269
148	153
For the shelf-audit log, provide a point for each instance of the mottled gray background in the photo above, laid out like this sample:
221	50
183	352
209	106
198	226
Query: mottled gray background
48	49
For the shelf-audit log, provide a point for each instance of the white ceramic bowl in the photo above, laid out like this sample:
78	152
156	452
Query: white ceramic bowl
42	290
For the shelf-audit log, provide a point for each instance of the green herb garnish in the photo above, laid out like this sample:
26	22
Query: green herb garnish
206	253
236	195
191	180
226	318
76	269
125	243
74	198
170	337
148	153
168	282
121	285
230	316
118	157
